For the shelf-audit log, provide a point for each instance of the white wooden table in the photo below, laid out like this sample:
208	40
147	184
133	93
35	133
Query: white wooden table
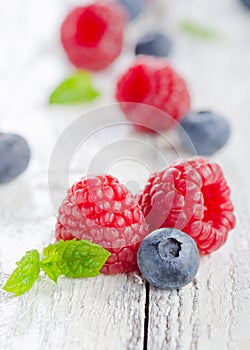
119	312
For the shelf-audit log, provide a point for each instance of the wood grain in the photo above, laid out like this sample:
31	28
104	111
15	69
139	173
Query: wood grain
213	312
75	314
104	312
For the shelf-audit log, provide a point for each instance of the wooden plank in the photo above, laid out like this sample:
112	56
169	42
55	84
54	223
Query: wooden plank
213	312
105	312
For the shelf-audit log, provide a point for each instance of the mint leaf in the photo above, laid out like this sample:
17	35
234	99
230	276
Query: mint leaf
75	89
197	30
50	267
77	258
25	275
69	258
50	249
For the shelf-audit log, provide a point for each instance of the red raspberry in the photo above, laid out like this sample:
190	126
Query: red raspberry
100	209
92	35
151	81
192	196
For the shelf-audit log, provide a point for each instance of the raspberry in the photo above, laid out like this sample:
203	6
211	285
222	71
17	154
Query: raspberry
151	81
192	196
92	35
100	209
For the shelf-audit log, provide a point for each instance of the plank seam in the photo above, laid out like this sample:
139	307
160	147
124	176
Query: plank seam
146	318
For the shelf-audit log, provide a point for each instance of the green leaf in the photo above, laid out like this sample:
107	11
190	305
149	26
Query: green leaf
25	275
197	30
75	89
77	258
50	249
50	267
69	258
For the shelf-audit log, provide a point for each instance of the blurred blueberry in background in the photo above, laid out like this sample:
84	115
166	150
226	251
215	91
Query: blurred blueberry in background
133	7
154	44
246	3
207	130
14	156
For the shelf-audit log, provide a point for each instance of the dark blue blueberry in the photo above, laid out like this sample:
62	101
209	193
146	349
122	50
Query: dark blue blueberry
246	3
207	131
154	44
168	258
14	156
133	7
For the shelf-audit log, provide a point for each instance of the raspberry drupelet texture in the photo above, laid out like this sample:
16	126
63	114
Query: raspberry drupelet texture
192	196
151	81
92	36
100	209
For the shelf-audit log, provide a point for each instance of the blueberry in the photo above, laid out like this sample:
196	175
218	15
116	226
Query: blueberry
168	258
246	3
14	156
207	131
154	44
133	7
